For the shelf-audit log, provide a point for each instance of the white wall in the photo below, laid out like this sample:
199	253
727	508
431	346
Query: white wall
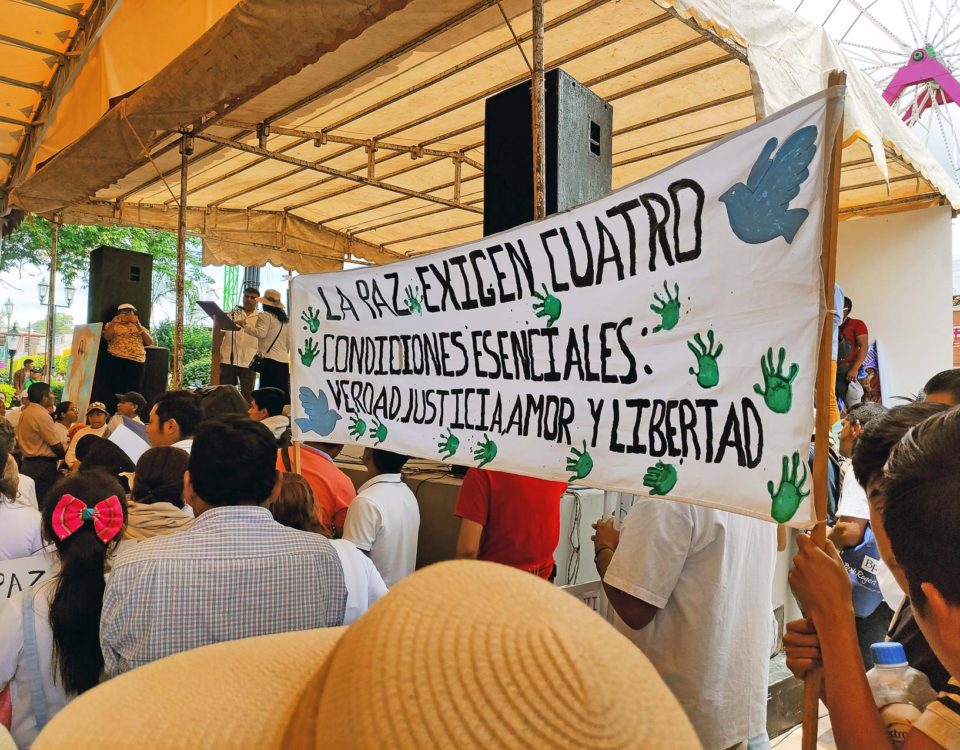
897	270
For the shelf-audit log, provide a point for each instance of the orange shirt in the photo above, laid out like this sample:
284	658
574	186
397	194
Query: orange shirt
332	489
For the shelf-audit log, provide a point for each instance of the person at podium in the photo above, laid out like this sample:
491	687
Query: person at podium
127	340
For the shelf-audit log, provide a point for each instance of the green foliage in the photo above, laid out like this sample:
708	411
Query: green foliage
197	372
64	324
60	362
197	345
7	390
29	247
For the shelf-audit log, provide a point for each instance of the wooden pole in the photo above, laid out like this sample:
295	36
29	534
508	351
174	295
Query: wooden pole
186	150
538	109
51	300
825	391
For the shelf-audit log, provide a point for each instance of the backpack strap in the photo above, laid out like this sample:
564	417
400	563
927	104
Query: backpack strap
283	442
38	699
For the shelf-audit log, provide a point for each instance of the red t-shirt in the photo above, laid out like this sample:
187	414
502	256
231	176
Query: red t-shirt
332	489
850	329
520	517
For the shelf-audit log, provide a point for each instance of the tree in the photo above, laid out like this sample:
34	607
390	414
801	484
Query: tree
197	343
29	247
64	325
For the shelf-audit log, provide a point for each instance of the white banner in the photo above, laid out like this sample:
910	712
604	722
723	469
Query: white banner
661	340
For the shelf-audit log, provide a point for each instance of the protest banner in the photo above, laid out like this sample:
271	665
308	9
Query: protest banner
661	340
23	573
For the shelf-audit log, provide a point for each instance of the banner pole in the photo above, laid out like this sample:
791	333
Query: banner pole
824	392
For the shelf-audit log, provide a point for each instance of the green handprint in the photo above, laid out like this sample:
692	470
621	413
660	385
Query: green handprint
668	309
378	431
709	374
312	319
309	352
777	390
579	462
548	307
790	494
661	478
414	300
485	452
448	445
358	427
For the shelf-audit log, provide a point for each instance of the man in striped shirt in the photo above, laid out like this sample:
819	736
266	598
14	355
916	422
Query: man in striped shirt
236	573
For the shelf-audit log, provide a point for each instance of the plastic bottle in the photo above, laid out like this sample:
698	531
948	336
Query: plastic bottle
900	691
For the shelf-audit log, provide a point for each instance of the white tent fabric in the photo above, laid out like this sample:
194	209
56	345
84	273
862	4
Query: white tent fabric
374	147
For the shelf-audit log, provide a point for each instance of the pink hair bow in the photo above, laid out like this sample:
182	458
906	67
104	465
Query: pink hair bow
71	513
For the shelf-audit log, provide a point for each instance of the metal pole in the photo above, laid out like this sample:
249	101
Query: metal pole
538	107
51	301
186	150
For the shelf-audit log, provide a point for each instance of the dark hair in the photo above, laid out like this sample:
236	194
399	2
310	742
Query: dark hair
159	476
387	462
865	412
108	457
37	392
271	399
947	381
220	401
8	436
62	408
277	312
27	362
848	304
878	438
181	406
252	290
78	598
295	505
233	461
85	444
922	513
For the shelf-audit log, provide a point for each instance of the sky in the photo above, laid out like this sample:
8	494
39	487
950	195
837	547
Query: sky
891	34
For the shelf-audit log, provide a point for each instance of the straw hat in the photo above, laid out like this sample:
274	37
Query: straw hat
271	297
461	654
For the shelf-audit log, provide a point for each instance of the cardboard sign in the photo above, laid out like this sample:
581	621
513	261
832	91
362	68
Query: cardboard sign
660	340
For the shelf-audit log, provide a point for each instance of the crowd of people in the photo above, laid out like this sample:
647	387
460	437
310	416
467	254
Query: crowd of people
223	529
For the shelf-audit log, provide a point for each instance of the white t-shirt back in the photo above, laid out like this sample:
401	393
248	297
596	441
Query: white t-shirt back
13	665
19	530
853	498
711	574
361	577
384	520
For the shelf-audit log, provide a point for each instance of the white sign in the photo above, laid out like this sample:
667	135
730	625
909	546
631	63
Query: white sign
23	573
661	340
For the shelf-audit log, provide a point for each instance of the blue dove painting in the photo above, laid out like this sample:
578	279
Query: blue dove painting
320	417
760	210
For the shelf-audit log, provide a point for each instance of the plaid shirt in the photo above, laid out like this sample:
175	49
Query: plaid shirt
236	573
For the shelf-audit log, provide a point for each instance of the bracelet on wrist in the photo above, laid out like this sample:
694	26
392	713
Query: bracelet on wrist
599	549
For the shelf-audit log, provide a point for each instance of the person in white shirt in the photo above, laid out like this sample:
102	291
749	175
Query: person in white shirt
853	517
96	425
13	414
49	635
691	587
18	486
266	407
174	418
239	347
19	523
384	518
272	331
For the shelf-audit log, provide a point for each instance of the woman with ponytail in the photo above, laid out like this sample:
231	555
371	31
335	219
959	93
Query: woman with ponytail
156	501
50	635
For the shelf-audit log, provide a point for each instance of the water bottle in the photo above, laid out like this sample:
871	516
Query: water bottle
900	691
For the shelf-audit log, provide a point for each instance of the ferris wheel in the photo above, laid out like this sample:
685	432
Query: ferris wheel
910	49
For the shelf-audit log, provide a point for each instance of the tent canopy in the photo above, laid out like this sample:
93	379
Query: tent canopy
345	130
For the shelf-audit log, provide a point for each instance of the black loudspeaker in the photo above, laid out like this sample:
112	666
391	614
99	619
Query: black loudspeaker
155	373
118	276
579	135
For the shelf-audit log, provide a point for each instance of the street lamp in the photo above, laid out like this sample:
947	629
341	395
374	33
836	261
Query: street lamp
13	339
43	288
